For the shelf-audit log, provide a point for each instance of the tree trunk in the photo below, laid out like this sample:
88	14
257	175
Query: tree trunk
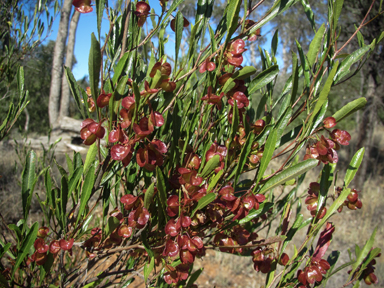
367	127
65	92
57	65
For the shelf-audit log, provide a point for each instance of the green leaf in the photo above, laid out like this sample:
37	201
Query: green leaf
308	11
210	166
112	224
99	13
213	40
94	63
214	180
295	77
263	208
74	181
335	205
337	7
194	277
263	78
233	10
4	249
25	247
27	183
282	124
288	174
292	231
74	87
148	268
244	156
350	108
275	42
304	65
325	183
91	156
267	154
235	123
86	191
162	191
314	47
318	119
174	5
324	93
346	64
149	195
363	253
353	166
279	7
63	200
119	68
204	201
244	73
179	33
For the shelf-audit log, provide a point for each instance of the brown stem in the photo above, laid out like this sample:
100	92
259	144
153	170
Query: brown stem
124	42
357	30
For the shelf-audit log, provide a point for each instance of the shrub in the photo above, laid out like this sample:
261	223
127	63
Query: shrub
169	140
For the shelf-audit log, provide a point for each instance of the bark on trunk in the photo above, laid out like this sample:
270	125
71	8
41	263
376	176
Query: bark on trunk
57	65
367	127
65	92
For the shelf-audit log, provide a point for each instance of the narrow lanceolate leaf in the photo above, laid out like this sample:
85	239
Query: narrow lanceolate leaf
233	9
325	183
162	191
364	252
335	205
148	268
337	7
295	77
74	181
179	34
353	166
99	12
63	200
94	62
292	231
91	156
279	7
204	201
350	108
120	68
195	274
244	73
25	247
304	65
244	155
263	208
263	79
289	174
214	180
210	166
28	178
171	9
314	47
324	93
267	154
86	191
149	195
275	42
309	13
74	87
346	64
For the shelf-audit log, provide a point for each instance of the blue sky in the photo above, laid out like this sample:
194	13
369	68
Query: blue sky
87	25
